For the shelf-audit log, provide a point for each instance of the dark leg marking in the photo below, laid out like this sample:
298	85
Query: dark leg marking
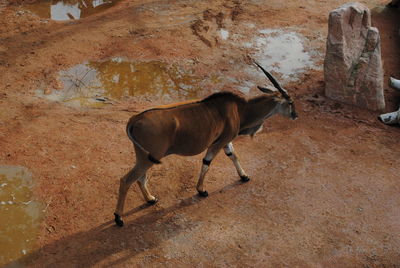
152	202
206	162
203	194
118	221
244	178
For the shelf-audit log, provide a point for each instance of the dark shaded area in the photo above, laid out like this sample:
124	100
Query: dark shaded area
86	249
388	23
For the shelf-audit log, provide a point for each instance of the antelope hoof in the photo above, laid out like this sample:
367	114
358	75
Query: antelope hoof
244	178
152	202
118	221
203	193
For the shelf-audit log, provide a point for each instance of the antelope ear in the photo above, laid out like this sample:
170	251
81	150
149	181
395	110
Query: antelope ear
266	90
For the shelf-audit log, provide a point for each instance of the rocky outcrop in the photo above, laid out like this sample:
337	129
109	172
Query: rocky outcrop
353	67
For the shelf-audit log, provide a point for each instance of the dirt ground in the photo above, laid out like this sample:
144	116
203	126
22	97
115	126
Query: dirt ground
324	189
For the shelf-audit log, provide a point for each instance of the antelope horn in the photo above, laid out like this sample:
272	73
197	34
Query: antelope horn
274	82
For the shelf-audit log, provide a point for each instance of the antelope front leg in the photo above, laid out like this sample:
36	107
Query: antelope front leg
211	153
229	151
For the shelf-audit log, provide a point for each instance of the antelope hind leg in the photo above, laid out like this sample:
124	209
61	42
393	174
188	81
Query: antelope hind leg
145	191
125	183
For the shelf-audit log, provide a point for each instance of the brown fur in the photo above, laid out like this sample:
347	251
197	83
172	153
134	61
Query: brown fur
190	128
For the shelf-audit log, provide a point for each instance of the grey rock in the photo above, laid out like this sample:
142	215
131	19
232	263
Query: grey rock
353	67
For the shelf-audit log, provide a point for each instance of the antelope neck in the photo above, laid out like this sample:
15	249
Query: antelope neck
257	110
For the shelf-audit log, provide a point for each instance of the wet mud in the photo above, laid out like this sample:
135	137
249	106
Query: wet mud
91	84
21	214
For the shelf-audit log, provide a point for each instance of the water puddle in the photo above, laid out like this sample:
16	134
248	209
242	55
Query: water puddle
224	34
92	84
69	9
282	52
20	214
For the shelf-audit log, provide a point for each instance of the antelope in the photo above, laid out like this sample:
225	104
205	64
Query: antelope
190	128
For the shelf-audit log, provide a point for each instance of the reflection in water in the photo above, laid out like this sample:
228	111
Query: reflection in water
69	9
120	78
62	11
89	84
283	52
20	215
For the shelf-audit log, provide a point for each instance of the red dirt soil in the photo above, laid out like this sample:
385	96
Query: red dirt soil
324	189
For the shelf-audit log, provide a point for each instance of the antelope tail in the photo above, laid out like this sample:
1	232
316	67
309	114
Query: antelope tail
149	156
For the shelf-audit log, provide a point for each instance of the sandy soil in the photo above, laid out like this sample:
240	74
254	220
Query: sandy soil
324	188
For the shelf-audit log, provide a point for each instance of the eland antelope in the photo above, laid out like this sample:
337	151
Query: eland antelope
192	127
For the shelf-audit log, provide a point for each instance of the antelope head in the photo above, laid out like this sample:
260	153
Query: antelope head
286	104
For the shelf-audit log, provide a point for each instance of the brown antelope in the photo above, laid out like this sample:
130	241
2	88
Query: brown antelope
190	128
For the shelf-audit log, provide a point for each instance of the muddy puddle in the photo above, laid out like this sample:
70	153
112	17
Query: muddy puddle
283	52
20	214
69	9
94	84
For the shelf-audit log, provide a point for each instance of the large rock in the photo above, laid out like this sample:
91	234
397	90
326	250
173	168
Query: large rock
353	67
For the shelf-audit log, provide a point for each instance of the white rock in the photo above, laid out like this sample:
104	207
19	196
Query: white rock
395	83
